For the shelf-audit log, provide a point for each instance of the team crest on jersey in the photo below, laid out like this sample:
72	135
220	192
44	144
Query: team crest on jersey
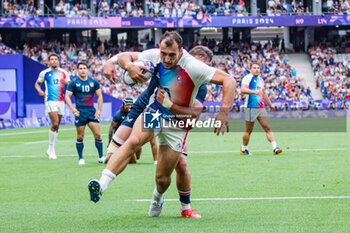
78	84
91	84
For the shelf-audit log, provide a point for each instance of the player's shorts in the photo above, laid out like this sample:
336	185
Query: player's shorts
251	114
134	113
86	116
175	138
55	106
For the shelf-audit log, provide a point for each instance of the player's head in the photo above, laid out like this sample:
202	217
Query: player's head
170	46
82	69
202	53
127	103
54	60
255	69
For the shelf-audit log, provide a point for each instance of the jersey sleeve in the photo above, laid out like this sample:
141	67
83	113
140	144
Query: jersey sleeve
97	85
202	92
200	72
71	86
246	80
67	78
41	77
152	55
117	117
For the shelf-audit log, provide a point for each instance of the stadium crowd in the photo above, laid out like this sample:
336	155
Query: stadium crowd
332	77
26	8
293	7
338	7
128	8
233	58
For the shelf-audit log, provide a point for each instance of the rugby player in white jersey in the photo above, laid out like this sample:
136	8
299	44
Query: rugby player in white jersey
253	88
179	75
55	79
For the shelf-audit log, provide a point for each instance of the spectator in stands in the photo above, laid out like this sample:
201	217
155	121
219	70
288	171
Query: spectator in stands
331	106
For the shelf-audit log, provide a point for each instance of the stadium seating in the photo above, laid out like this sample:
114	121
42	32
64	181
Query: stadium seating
331	71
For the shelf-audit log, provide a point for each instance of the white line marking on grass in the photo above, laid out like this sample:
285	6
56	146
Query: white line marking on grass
32	132
191	152
45	141
42	131
249	198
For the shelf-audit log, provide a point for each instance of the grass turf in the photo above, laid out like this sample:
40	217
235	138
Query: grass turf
41	195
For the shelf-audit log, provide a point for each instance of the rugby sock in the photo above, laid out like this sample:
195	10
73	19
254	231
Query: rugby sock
51	140
55	139
106	178
80	146
244	148
185	200
156	195
274	145
99	146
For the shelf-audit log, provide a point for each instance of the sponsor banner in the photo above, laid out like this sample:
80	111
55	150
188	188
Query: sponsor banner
172	22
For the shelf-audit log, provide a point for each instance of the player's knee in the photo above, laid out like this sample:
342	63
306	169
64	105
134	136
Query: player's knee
54	126
181	167
267	129
134	142
163	180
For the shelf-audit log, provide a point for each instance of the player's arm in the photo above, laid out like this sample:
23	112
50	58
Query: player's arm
124	60
245	90
228	90
187	112
38	83
66	79
110	131
267	99
99	103
68	100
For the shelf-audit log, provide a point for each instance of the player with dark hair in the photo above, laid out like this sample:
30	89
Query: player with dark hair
178	78
55	79
253	88
84	88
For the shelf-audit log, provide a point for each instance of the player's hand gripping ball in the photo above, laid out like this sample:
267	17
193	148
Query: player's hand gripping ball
148	73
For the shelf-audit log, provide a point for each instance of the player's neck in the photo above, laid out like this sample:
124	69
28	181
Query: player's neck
83	78
54	68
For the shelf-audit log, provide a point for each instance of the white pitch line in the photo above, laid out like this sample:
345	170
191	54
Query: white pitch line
45	141
191	152
41	131
249	198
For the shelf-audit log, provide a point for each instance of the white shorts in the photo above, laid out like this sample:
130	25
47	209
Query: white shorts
251	114
55	106
175	138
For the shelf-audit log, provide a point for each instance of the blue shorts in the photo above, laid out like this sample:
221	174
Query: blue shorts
86	115
134	113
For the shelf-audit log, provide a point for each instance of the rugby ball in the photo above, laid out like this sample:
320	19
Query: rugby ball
148	73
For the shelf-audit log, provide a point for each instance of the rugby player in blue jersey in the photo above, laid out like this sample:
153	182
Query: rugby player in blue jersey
55	79
181	74
118	119
84	88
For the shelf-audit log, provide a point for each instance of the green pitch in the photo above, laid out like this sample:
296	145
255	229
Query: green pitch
42	195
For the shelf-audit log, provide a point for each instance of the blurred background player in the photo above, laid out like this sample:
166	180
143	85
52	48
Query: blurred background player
55	79
83	88
118	118
253	88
